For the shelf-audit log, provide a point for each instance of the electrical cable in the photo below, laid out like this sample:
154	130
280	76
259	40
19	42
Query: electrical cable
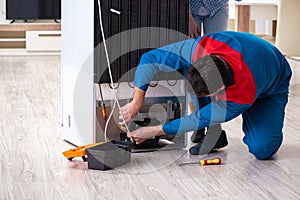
100	90
111	78
108	119
111	86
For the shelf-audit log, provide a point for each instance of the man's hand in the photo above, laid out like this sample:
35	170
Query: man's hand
144	133
194	30
130	110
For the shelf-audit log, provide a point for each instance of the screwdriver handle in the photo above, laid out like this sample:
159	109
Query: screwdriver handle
103	110
216	161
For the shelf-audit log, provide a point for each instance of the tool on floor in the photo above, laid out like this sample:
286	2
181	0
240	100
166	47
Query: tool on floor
103	155
79	152
109	155
215	161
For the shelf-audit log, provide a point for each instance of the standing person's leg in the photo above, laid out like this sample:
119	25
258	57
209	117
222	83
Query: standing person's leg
218	22
262	125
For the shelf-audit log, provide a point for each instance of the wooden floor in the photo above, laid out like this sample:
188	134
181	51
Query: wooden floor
32	166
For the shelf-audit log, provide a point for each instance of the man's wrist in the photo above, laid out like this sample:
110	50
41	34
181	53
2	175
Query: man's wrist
137	104
138	97
160	131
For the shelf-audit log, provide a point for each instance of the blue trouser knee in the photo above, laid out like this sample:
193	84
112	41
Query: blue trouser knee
262	125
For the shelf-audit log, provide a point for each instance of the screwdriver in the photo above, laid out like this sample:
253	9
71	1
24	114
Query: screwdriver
102	104
103	110
215	161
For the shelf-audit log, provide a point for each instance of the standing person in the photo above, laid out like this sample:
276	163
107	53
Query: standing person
241	73
212	14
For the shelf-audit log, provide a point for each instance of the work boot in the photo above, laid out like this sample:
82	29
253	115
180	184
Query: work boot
201	148
198	136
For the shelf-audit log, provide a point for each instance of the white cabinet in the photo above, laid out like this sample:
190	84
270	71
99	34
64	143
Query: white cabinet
30	39
43	40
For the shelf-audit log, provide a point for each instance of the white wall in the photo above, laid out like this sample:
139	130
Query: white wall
289	27
260	13
2	12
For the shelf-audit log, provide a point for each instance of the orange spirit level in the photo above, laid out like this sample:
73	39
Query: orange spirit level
79	151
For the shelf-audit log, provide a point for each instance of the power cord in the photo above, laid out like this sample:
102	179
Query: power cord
111	78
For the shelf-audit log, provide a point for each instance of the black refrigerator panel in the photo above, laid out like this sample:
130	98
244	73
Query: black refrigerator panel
125	47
